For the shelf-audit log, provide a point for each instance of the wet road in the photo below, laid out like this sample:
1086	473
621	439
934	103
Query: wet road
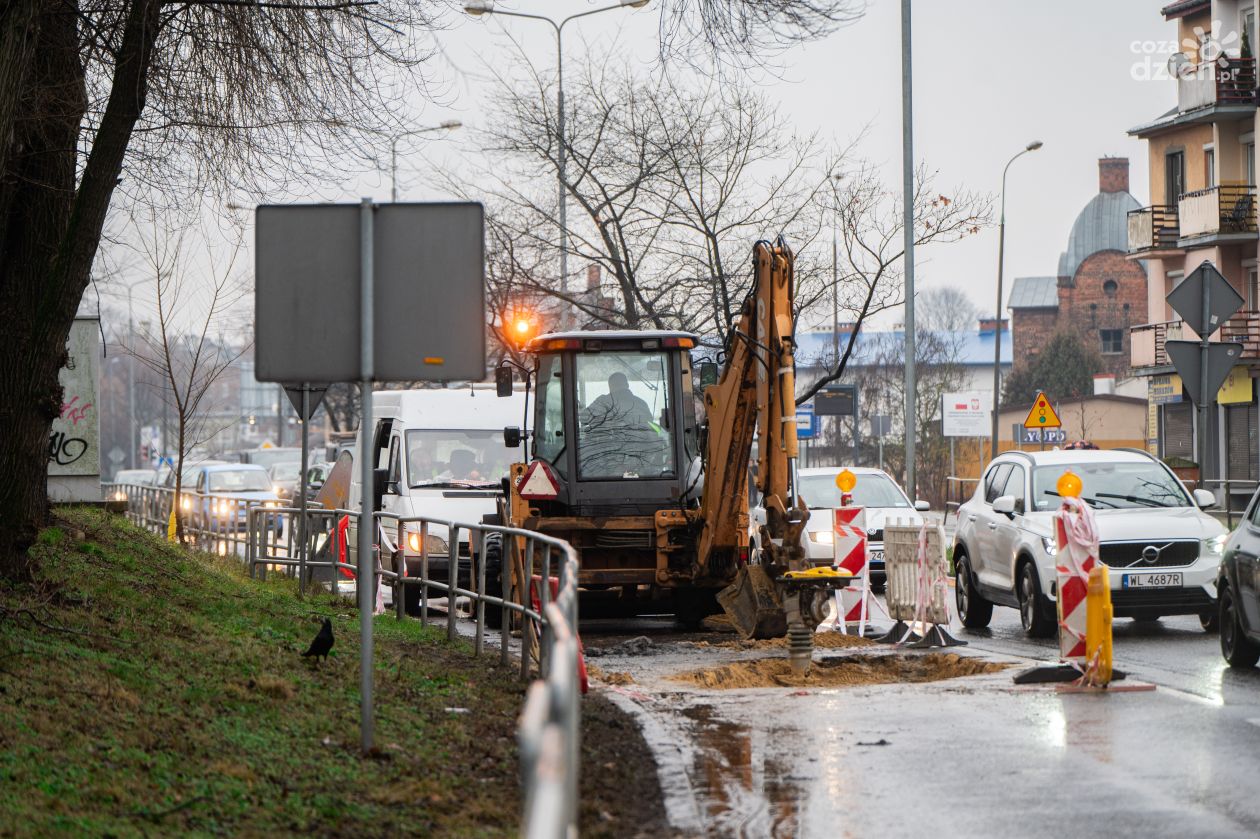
974	756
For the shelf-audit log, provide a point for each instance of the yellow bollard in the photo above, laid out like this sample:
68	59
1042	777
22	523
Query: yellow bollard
1098	618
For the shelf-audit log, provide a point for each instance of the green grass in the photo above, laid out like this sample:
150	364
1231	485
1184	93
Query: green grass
148	691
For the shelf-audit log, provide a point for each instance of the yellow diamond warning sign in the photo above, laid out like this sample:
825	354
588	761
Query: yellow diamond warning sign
1042	414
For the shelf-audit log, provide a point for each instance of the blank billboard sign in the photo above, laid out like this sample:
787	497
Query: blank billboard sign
429	295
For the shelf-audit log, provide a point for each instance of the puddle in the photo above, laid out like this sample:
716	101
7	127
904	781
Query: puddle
846	671
744	793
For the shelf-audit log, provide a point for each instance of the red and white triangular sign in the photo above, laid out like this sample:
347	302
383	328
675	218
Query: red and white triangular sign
539	483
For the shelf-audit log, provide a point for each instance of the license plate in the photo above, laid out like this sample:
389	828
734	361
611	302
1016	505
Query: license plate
877	556
1171	580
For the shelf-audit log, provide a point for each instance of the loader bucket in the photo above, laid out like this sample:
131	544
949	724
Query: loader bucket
753	605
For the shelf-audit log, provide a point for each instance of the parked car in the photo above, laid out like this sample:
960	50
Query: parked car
286	477
223	493
138	477
875	491
1237	595
1162	548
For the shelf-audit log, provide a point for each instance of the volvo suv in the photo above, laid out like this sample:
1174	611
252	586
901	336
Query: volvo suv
1162	550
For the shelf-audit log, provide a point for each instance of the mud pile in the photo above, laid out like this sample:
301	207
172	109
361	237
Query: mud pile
847	671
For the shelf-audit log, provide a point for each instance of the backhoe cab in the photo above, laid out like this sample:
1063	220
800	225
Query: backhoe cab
617	441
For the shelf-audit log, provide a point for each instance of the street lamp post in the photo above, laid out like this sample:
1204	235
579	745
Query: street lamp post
448	125
132	441
997	322
476	8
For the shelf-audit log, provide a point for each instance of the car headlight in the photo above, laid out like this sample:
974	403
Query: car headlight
186	503
1050	544
1214	546
271	505
822	537
436	544
220	507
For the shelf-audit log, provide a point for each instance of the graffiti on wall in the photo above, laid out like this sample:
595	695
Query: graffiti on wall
74	443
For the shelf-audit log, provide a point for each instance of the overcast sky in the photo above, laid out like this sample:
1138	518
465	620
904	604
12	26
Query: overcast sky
990	75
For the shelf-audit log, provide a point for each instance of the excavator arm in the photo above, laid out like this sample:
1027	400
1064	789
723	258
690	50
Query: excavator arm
772	594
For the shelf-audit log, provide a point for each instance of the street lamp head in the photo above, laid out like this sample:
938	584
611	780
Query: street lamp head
635	4
477	8
1033	146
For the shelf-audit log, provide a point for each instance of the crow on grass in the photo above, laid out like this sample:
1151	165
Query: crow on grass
323	642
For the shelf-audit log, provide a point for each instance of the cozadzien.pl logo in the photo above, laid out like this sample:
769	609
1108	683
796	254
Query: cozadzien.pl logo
1208	54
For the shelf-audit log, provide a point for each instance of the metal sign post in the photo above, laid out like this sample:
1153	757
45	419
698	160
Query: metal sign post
1205	300
365	573
300	396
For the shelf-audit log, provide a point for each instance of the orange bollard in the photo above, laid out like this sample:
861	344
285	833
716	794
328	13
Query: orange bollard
1098	617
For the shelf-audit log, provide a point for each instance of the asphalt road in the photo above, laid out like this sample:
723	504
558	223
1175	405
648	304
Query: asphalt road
976	756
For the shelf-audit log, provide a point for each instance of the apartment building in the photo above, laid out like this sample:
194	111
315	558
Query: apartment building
1203	207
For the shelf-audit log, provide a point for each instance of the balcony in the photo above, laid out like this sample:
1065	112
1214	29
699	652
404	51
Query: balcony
1218	211
1153	228
1147	342
1210	84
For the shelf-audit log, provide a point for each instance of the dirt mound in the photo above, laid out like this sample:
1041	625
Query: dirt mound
610	677
847	671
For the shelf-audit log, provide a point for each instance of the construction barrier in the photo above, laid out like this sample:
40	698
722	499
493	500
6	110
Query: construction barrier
851	554
918	586
1077	538
1098	628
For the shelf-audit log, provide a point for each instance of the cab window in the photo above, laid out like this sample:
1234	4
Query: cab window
623	407
549	427
1015	486
995	482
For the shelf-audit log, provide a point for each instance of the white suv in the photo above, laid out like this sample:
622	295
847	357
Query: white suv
1162	549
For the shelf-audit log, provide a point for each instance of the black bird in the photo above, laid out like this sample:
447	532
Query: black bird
323	642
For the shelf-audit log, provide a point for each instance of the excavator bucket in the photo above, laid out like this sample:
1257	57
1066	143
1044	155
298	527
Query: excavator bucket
753	605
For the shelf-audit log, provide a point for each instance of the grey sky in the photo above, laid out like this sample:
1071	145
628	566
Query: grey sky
990	75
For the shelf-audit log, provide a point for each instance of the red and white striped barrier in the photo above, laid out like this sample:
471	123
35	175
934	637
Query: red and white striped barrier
851	554
1077	538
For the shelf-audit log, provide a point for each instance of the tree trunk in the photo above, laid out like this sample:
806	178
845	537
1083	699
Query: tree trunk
49	232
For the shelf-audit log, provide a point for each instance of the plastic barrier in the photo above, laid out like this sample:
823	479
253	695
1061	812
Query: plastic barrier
1077	555
918	586
536	602
850	551
1098	628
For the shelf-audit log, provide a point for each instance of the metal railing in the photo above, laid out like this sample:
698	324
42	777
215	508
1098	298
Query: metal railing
957	492
1229	488
548	732
272	538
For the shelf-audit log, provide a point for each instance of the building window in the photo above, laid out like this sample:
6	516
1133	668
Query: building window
1110	288
1112	341
1209	167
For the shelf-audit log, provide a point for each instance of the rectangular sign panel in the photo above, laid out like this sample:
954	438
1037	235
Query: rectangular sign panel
74	441
967	414
429	298
1165	389
835	401
1049	436
806	423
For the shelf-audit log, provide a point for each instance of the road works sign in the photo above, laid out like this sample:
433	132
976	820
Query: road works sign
1042	414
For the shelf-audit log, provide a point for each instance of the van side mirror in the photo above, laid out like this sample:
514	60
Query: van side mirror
922	506
503	380
708	373
1004	504
512	437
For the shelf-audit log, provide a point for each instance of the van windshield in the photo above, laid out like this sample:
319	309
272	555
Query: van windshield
240	480
456	457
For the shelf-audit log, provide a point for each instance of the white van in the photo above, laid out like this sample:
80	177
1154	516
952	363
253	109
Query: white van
445	459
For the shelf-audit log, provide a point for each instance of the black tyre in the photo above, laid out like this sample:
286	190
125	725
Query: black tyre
1210	620
973	610
494	579
1037	619
692	606
1237	649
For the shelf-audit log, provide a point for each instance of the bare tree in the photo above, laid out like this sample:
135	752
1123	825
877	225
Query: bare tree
669	187
869	221
187	347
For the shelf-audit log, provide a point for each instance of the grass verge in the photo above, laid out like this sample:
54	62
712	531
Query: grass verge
149	691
